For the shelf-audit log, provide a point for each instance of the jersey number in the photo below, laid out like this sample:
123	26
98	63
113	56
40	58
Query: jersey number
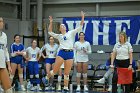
51	52
65	38
33	55
82	48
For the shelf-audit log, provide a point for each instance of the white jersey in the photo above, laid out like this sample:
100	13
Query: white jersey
122	51
33	53
67	40
50	51
81	51
4	55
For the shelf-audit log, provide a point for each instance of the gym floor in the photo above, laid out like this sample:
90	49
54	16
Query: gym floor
58	92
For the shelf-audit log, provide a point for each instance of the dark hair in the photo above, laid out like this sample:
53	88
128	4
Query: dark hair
16	35
81	33
33	40
50	37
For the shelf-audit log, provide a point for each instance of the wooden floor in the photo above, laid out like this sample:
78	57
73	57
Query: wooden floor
58	92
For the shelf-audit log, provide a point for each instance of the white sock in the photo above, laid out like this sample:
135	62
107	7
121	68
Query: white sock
85	86
59	79
22	85
38	85
78	85
65	87
110	86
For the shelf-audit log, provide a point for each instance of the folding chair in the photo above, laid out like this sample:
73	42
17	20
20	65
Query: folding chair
98	74
90	74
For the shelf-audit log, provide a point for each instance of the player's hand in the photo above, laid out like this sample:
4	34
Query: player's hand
112	66
45	57
27	59
51	19
130	67
38	59
82	14
23	53
85	50
17	53
10	69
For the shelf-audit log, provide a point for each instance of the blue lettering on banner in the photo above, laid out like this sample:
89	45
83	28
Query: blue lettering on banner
105	30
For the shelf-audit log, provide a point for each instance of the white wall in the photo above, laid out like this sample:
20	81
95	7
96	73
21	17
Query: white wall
120	9
15	26
26	29
69	10
12	29
8	10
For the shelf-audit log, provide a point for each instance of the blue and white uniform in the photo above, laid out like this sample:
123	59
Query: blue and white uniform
66	43
17	59
4	55
50	52
33	66
81	51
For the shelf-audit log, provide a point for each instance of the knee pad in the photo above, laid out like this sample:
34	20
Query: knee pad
78	75
10	90
11	77
59	78
84	75
66	77
20	75
31	76
52	73
37	76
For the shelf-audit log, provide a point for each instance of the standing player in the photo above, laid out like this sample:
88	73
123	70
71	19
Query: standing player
51	51
33	55
4	58
82	49
17	53
66	40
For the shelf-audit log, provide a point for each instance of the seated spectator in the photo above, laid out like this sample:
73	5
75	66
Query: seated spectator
108	75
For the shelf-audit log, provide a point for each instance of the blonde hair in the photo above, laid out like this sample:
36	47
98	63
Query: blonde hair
124	34
1	18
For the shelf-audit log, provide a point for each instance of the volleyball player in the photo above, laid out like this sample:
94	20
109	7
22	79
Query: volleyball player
51	49
82	49
33	55
66	40
17	53
4	58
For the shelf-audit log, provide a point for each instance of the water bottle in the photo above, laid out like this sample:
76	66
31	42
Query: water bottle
119	90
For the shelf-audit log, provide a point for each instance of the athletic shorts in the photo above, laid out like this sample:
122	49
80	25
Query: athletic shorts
66	55
17	60
33	67
49	60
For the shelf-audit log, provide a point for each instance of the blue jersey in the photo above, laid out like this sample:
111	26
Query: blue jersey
15	48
